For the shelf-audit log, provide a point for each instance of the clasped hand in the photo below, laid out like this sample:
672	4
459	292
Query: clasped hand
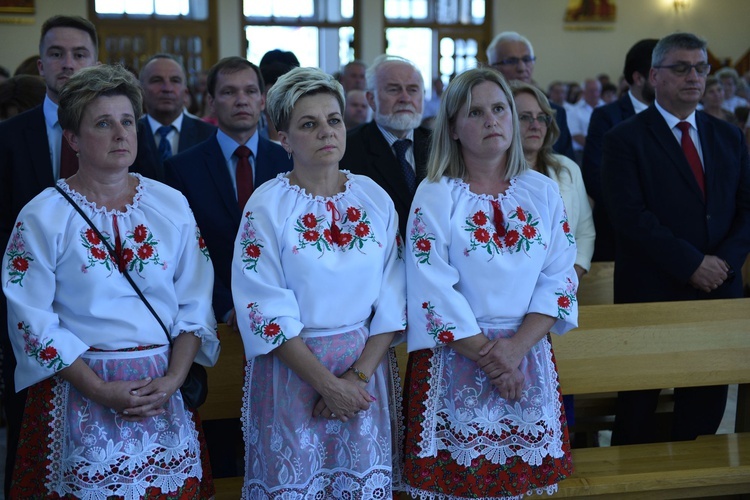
500	361
135	400
344	399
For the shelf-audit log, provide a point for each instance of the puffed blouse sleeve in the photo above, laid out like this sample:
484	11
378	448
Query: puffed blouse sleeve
556	287
267	312
193	287
390	308
437	312
42	346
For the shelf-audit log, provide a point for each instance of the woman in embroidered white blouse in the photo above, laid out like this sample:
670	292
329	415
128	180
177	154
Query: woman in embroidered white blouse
489	263
318	271
104	416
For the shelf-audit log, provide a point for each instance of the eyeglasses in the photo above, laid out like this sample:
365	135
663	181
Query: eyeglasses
682	69
528	119
513	61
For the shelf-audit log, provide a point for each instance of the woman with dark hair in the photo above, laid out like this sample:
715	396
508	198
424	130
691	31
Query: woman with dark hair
489	268
319	289
105	417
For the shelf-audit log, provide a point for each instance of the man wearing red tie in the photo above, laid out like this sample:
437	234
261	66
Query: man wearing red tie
677	186
33	155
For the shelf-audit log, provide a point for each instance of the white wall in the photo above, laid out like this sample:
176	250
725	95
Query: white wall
574	55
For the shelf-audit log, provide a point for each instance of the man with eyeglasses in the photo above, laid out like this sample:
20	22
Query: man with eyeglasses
677	186
639	96
513	56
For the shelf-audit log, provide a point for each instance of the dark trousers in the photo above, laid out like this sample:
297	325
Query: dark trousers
697	411
13	405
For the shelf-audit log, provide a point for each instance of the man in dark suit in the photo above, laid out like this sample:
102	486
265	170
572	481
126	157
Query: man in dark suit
165	129
30	161
513	56
638	98
677	187
392	149
209	175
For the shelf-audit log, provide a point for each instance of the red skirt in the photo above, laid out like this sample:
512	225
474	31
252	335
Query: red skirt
441	477
34	448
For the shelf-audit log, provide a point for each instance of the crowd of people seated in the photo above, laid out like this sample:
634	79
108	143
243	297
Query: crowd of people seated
326	219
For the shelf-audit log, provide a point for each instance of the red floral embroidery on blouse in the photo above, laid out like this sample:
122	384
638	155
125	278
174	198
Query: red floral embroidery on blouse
18	257
565	298
268	330
251	244
482	234
421	240
440	331
201	243
41	350
329	232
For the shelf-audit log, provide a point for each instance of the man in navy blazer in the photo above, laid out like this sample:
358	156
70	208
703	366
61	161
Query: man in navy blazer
164	87
30	152
207	175
638	98
395	92
675	239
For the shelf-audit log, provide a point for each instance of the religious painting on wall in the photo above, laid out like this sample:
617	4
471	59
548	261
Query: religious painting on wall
16	6
590	15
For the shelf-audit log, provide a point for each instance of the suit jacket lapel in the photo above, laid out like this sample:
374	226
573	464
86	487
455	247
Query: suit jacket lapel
706	134
213	161
37	142
384	161
667	141
187	134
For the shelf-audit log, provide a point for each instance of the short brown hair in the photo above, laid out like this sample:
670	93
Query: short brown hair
91	83
76	22
231	65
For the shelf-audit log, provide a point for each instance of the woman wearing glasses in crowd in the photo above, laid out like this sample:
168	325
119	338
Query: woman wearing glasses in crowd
489	274
538	133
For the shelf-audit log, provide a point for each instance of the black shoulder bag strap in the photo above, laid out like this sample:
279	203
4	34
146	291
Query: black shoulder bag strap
115	259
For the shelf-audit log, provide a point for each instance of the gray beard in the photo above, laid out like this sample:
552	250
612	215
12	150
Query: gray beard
402	123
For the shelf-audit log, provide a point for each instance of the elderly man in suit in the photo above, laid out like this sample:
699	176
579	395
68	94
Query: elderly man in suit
392	149
513	56
637	99
217	177
677	186
165	129
32	157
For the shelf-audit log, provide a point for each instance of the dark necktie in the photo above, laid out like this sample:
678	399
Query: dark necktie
68	160
244	174
688	147
402	146
165	148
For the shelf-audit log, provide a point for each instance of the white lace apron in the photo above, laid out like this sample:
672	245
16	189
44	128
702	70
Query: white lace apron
466	416
95	454
291	455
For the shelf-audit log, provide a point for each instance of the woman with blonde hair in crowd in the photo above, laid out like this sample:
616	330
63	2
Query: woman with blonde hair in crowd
319	288
490	274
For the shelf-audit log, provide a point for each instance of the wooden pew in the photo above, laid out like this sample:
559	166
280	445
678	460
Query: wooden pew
597	285
657	345
617	347
224	400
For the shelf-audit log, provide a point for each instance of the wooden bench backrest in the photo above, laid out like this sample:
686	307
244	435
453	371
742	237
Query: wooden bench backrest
226	378
597	285
655	345
616	347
